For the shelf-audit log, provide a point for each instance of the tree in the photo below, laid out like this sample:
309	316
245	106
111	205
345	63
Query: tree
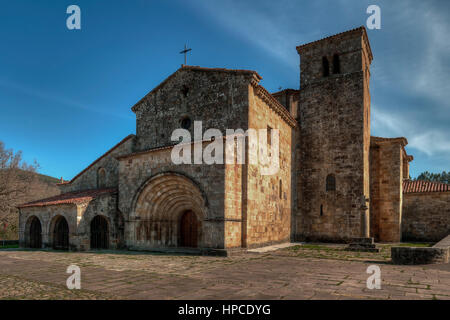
443	177
19	183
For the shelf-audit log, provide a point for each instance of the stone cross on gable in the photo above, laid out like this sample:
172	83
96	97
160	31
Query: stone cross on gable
185	51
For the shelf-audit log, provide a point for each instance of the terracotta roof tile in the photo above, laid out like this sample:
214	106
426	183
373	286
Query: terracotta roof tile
420	186
69	198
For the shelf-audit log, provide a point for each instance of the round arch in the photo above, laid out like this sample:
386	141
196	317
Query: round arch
59	232
99	232
33	233
160	205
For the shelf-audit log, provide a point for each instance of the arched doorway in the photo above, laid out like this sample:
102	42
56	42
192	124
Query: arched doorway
35	234
99	233
61	234
157	214
188	230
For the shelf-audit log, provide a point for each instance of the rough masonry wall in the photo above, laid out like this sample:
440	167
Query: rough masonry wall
331	142
386	179
233	202
88	179
218	99
426	216
333	139
106	206
267	212
47	216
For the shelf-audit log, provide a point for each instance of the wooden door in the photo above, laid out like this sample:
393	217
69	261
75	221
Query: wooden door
189	230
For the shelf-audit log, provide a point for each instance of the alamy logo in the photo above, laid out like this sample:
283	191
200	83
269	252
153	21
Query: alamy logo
74	281
263	148
374	21
74	20
374	281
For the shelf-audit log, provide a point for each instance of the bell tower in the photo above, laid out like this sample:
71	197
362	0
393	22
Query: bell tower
333	140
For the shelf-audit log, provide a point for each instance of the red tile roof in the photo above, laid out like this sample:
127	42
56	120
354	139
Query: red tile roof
419	186
69	198
101	157
288	91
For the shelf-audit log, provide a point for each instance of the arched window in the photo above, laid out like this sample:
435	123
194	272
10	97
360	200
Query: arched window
336	64
331	183
101	178
186	123
325	67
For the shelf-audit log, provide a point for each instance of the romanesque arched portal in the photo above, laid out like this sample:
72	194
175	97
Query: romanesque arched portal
160	208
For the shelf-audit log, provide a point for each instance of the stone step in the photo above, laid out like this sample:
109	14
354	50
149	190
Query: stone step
444	243
359	245
363	249
363	240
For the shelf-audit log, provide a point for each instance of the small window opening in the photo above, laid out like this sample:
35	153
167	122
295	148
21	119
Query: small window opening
185	90
336	64
321	210
269	135
281	189
331	183
325	67
186	123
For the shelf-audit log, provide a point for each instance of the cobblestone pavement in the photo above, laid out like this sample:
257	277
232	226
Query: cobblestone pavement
314	272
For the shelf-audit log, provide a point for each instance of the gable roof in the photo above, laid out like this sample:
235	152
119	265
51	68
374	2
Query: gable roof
98	159
70	198
420	186
196	68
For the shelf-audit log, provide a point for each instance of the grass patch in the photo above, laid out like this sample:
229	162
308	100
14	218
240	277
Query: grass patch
10	246
417	244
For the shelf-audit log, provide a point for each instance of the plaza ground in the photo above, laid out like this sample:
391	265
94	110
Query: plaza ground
312	271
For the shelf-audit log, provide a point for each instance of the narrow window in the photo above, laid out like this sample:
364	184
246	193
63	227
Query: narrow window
185	90
321	210
101	178
331	183
281	189
336	64
325	67
269	135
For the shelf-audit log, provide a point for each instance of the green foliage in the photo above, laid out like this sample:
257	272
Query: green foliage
443	177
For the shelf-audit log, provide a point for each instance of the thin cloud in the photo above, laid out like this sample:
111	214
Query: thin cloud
58	100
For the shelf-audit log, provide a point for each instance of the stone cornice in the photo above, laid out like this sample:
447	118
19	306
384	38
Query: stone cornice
273	103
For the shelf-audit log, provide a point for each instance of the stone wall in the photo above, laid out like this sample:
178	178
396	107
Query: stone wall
78	217
426	216
332	139
105	206
47	215
267	215
386	164
412	256
217	98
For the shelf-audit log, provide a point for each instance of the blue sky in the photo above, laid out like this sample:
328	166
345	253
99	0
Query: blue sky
65	96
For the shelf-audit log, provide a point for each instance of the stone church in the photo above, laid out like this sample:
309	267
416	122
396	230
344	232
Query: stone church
336	182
